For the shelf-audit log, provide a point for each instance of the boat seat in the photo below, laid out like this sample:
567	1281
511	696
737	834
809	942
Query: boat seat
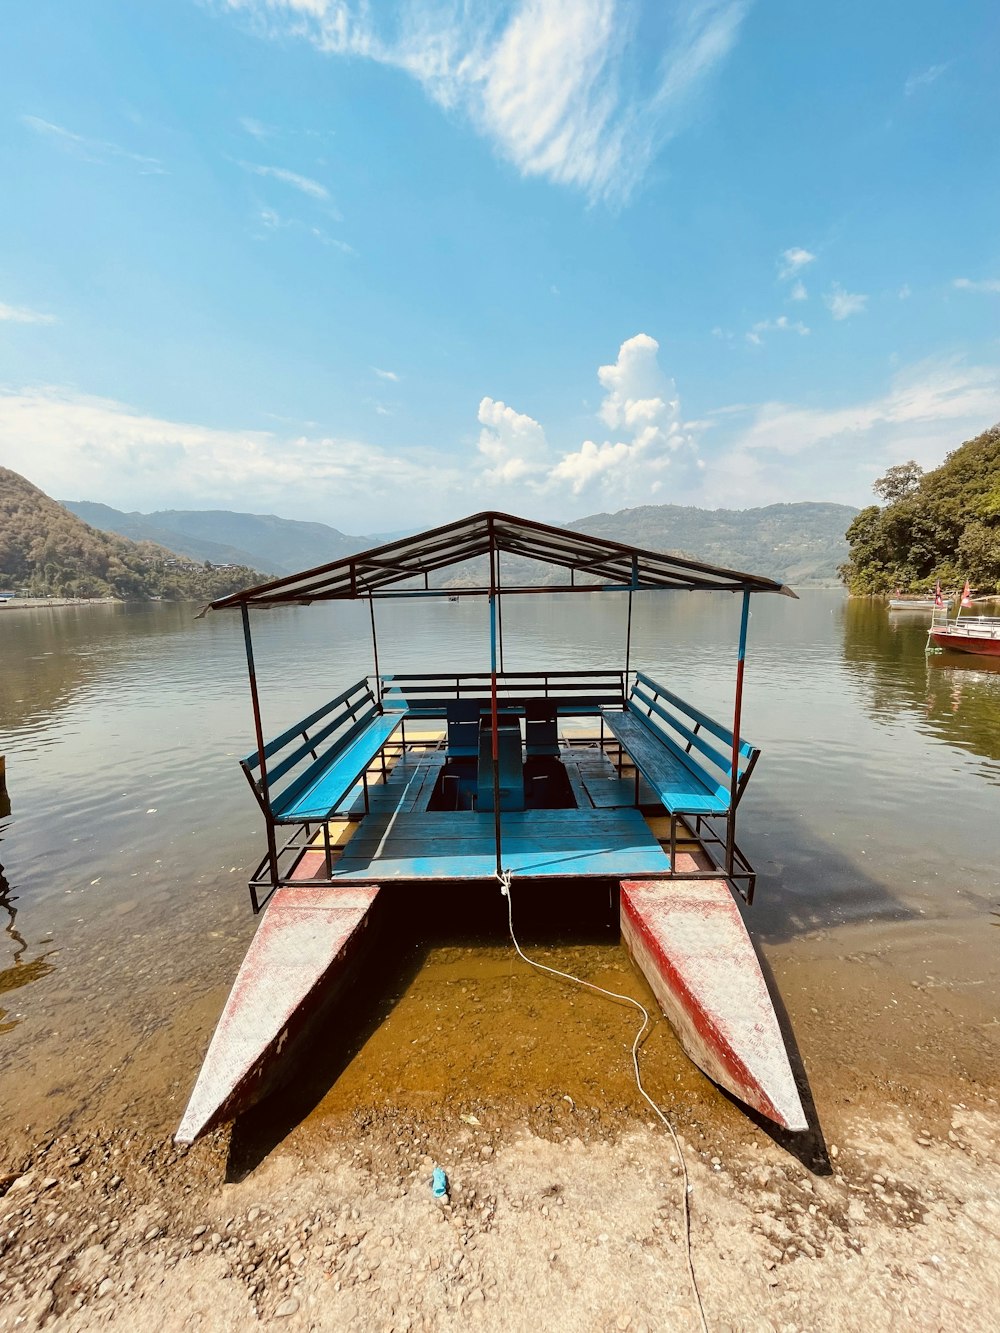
323	757
675	748
463	728
541	727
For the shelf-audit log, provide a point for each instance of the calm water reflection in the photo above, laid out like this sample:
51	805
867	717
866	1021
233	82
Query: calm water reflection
121	727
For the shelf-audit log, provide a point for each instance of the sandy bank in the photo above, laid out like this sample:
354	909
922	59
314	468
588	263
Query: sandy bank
576	1230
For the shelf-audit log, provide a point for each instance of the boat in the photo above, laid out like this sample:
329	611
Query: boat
521	780
968	634
918	604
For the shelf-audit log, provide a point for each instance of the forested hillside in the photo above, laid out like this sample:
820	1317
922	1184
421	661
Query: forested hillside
798	544
943	524
46	550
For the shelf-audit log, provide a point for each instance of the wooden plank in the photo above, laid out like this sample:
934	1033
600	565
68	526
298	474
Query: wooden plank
610	793
419	792
577	785
689	941
532	863
458	826
675	784
534	843
303	941
330	787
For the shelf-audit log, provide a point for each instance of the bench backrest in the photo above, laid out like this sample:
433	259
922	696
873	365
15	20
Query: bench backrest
576	693
292	756
697	740
541	728
463	728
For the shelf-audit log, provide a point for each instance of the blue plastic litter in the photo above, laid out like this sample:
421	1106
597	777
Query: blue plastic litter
439	1184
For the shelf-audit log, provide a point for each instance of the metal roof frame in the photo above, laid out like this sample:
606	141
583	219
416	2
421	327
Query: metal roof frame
376	572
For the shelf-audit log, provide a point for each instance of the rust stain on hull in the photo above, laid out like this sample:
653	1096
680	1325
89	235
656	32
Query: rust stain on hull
689	941
304	940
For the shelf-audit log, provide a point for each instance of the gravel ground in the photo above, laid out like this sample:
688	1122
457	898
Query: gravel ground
578	1228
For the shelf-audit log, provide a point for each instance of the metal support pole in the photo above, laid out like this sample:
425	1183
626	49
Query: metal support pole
378	678
738	708
628	646
494	717
272	850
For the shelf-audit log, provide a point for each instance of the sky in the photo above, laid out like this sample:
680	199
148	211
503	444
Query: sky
383	264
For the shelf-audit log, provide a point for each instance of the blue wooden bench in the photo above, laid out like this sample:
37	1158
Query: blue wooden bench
685	756
315	764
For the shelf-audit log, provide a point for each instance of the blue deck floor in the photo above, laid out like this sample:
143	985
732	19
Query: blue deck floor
400	839
535	843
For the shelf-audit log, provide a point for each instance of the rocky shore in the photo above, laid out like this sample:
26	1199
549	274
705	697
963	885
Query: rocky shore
578	1228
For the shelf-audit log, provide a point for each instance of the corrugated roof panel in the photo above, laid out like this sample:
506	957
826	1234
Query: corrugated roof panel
419	556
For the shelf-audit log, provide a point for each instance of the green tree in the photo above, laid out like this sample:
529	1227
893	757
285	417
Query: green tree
899	481
943	524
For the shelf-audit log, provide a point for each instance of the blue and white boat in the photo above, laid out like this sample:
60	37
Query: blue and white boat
537	777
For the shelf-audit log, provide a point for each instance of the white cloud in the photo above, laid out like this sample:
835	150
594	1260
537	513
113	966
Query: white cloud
302	183
984	285
799	292
514	444
325	238
386	374
79	447
641	403
15	314
780	325
98	151
641	411
256	129
272	221
843	304
785	452
924	78
790	262
557	86
904	292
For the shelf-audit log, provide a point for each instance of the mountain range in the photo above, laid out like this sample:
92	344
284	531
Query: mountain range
45	551
800	544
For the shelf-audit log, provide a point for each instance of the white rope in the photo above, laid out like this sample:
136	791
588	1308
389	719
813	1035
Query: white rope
505	885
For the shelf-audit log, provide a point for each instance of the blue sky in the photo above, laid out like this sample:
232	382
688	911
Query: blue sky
387	264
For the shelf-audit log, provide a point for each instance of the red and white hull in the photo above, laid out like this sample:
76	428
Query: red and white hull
302	948
688	939
985	642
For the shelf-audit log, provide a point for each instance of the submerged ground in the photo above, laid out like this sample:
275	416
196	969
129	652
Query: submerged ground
872	821
566	1206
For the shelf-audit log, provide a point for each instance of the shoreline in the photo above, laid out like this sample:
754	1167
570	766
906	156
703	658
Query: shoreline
577	1226
32	603
315	1210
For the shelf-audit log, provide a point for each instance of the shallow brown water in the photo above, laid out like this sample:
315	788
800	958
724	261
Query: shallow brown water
871	819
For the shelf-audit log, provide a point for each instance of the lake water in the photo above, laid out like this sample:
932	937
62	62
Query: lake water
871	819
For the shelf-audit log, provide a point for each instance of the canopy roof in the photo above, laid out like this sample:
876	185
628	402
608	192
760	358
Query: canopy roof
601	563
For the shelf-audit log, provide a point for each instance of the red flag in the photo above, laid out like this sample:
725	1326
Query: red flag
966	594
938	599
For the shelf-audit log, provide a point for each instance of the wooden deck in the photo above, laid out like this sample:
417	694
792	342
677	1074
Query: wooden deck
536	843
399	839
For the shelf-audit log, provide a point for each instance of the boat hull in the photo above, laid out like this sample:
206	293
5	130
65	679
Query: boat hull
301	951
984	645
918	604
689	941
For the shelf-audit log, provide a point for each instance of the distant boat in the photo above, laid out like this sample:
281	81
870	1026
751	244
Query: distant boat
918	604
968	634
